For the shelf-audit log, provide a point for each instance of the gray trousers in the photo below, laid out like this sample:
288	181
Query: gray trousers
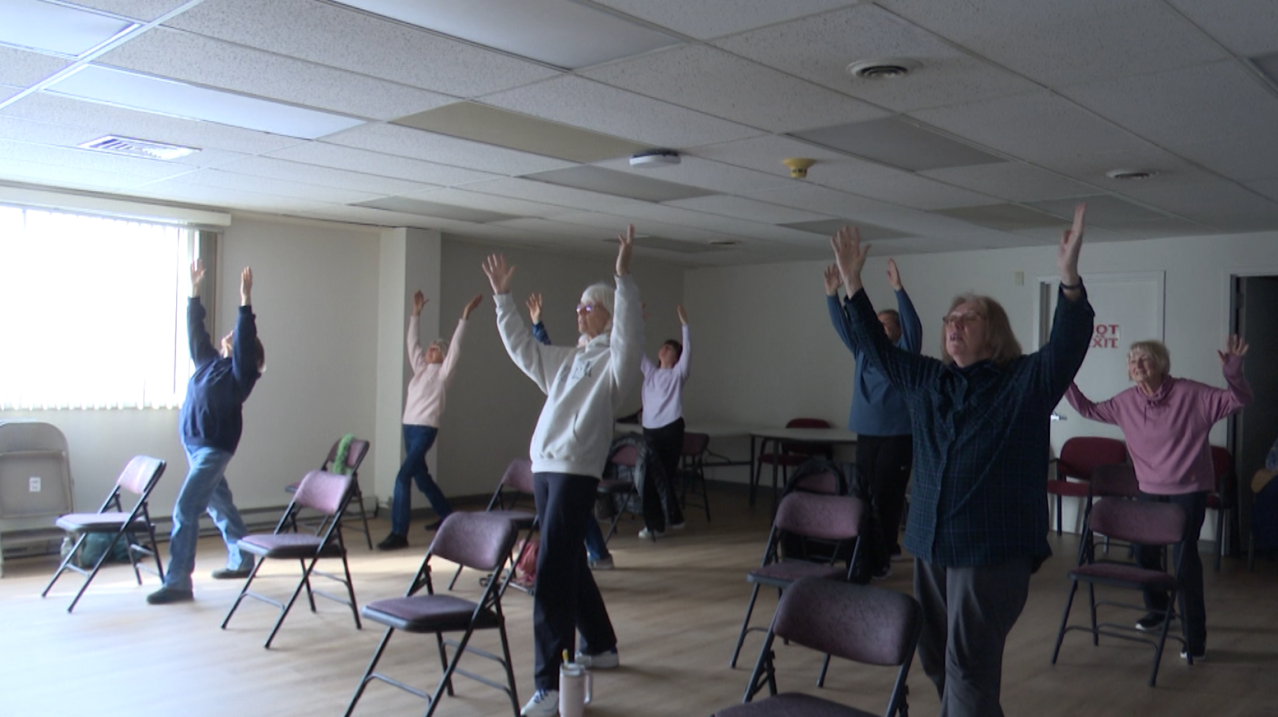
967	614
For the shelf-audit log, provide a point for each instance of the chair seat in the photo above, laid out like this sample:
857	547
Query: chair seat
522	520
782	574
428	613
1068	488
1124	574
288	545
97	522
615	485
792	704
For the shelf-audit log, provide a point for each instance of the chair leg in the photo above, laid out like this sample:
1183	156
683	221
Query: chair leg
93	574
510	670
1162	639
350	591
257	565
377	655
358	496
1091	598
1220	535
306	581
449	668
310	594
745	625
445	682
1058	514
1060	636
65	562
825	667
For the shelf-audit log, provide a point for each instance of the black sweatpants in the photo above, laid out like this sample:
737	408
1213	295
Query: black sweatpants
667	441
885	462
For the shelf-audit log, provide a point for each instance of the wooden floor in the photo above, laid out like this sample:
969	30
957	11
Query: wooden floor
676	606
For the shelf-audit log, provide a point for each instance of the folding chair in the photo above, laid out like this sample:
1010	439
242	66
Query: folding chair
620	492
787	455
862	623
138	477
834	518
515	483
328	494
1221	499
1107	481
1079	456
354	457
1144	522
693	473
480	541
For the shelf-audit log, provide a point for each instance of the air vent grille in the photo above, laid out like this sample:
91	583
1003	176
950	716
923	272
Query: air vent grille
131	147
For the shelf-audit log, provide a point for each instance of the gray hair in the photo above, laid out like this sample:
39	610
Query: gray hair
1156	351
600	294
442	344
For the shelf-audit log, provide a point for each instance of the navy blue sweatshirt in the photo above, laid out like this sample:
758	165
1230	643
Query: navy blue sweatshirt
211	416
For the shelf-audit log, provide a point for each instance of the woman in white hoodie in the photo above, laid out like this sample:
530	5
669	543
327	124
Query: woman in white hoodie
583	384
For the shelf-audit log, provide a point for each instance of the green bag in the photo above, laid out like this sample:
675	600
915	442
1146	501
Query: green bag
96	544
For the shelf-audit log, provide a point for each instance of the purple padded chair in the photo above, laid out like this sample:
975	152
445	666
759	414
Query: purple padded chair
329	495
138	477
1144	522
516	483
862	623
354	457
480	541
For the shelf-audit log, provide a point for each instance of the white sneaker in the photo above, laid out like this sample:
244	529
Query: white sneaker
603	661
646	534
545	703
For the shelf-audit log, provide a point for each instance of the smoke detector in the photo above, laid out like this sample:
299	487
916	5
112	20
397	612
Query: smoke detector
655	158
1126	174
798	166
884	69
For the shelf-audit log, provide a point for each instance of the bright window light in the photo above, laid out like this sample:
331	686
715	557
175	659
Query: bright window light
49	27
94	312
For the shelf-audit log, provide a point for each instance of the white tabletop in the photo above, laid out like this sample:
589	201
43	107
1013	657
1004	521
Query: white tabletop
714	430
806	435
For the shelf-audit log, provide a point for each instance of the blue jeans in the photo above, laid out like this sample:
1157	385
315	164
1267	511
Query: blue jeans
205	489
596	548
417	442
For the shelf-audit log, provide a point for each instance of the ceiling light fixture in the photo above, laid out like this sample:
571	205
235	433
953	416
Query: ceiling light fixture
655	158
884	69
1129	174
60	29
798	166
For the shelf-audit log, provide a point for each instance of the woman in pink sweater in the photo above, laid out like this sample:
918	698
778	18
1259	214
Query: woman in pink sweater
1166	421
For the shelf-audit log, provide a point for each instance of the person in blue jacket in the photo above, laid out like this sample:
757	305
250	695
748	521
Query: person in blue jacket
211	425
880	418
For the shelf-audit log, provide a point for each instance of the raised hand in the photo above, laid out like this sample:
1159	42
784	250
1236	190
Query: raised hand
1234	346
850	255
1071	243
197	276
498	273
471	306
627	240
246	287
683	315
419	303
534	308
832	280
894	275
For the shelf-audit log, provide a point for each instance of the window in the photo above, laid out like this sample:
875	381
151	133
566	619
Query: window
92	311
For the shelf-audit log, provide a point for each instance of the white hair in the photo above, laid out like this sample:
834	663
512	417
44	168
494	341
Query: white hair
442	344
600	295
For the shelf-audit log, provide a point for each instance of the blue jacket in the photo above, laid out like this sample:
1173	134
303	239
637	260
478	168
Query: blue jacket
211	413
878	409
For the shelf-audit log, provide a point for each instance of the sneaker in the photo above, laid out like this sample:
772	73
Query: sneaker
1152	621
544	703
394	541
605	660
1184	655
677	526
165	596
239	573
601	563
646	534
882	573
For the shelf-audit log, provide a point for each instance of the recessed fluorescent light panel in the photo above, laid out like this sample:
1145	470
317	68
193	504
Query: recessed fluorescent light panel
59	29
619	184
898	143
1003	217
178	99
557	32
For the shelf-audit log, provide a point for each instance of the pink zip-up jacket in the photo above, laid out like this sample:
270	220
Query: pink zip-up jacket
1167	432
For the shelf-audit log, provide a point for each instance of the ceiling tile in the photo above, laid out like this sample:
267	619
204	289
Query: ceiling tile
697	172
1246	27
104	119
1102	211
724	85
6	92
384	164
488	202
711	18
911	190
274	168
616	220
830	227
554	228
241	69
820	49
145	10
830	202
1011	181
725	225
20	68
748	209
276	187
546	193
580	102
899	143
1223	205
220	197
1064	43
1002	217
71	137
404	141
920	245
621	184
67	176
351	40
443	210
147	169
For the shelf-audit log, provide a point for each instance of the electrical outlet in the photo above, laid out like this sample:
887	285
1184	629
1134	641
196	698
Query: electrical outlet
33	484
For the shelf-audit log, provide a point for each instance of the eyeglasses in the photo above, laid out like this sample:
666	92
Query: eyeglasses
962	319
587	308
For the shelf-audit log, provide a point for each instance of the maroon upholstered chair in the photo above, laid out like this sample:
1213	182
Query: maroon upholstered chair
1221	499
787	455
1079	456
327	494
516	483
133	526
1134	521
824	517
693	455
866	624
480	541
621	492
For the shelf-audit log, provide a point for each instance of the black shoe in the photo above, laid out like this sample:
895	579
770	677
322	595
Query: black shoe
1152	621
165	596
394	541
1201	657
228	574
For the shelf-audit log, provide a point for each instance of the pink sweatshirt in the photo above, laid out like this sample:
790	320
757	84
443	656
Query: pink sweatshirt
1167	433
424	404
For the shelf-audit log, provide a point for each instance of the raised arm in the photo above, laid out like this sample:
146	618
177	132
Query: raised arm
838	317
244	356
416	357
1226	402
626	339
1067	255
681	366
1104	412
534	315
455	344
197	334
911	327
1060	358
537	362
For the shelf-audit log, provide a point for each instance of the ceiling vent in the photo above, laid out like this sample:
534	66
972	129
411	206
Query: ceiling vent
887	69
1130	174
138	148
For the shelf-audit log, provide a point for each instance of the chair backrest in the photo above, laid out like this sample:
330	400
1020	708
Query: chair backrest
1139	521
1114	481
323	492
519	476
354	455
825	482
864	623
627	455
1081	454
694	444
140	475
1222	462
813	515
807	423
479	541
